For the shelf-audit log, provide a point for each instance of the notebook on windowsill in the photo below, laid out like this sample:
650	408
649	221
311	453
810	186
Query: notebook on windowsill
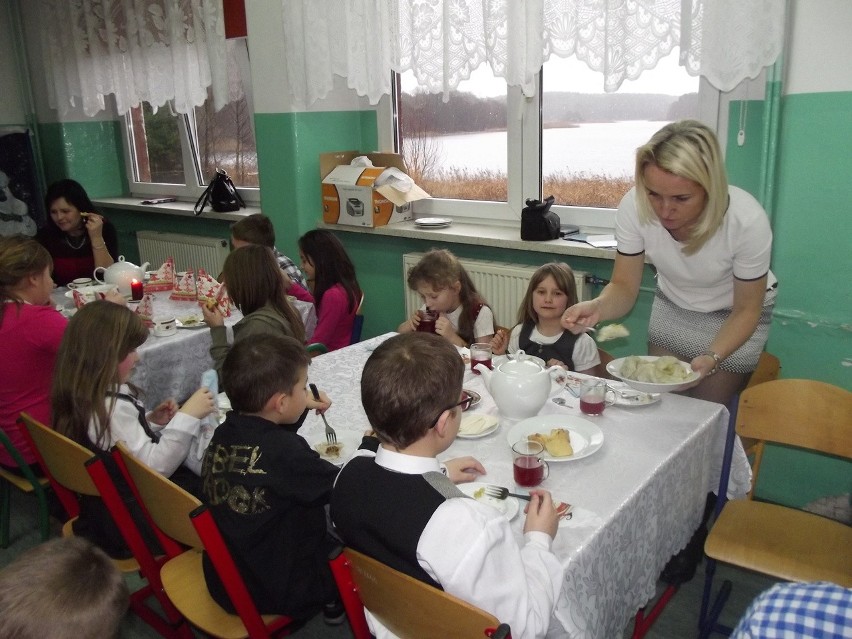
598	241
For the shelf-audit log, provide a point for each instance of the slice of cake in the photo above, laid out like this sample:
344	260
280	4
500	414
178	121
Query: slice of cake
557	443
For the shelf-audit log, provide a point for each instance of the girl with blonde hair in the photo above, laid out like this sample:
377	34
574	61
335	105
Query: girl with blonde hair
30	333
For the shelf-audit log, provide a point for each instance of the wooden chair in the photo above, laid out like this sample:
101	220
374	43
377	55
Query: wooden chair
185	522
605	358
65	463
768	369
409	608
779	541
28	483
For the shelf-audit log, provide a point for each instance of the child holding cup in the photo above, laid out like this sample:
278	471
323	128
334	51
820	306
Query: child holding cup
460	314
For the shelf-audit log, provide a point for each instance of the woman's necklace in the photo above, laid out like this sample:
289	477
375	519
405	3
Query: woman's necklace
78	246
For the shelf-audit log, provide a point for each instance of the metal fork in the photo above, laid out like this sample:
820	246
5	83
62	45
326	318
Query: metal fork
499	492
330	435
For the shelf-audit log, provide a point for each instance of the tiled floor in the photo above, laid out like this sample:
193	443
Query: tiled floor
678	620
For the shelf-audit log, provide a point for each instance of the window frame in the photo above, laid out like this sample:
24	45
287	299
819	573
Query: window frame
189	150
524	161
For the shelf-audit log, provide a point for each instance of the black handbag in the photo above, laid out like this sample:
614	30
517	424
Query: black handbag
538	222
220	194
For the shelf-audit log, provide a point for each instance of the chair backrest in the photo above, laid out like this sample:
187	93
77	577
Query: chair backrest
182	517
796	412
605	358
63	461
358	322
168	505
27	481
768	369
412	609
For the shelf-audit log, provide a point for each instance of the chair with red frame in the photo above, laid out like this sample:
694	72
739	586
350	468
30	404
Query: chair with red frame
408	607
65	464
185	523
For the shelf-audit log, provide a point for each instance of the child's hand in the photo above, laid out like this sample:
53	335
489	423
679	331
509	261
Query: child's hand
555	362
163	414
541	513
321	405
464	469
445	329
200	404
500	342
212	316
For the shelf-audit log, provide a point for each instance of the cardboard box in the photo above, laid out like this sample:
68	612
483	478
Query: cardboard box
349	195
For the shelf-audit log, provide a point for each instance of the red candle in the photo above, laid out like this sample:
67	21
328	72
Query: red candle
135	290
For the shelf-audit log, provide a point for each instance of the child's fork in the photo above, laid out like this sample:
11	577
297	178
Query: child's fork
330	435
499	492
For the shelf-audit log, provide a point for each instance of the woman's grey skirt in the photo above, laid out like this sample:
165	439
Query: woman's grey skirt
689	333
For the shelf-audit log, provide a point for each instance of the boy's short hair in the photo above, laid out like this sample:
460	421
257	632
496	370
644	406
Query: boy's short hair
406	384
257	368
255	229
65	587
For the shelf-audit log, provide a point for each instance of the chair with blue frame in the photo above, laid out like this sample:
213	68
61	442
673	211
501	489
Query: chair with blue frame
780	541
27	482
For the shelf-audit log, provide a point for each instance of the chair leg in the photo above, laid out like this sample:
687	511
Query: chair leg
642	622
5	512
707	620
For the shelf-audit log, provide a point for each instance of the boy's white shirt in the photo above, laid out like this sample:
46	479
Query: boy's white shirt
469	548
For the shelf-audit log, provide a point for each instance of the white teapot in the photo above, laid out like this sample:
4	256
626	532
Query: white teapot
520	386
121	273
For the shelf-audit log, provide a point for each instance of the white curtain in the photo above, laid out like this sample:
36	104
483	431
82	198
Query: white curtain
151	50
442	41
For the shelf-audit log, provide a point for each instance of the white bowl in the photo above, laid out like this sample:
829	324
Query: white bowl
614	368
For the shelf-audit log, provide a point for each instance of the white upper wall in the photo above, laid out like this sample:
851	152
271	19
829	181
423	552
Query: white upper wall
819	48
11	103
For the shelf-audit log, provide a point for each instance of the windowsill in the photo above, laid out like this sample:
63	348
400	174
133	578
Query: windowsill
184	209
507	237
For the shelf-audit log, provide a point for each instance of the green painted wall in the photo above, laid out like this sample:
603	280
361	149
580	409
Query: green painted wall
89	152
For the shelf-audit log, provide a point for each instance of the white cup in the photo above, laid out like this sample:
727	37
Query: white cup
80	282
165	326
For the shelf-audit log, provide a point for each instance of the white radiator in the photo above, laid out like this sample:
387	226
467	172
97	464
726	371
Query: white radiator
502	284
189	251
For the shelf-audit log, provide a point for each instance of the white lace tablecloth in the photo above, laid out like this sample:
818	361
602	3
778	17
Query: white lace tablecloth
640	496
172	366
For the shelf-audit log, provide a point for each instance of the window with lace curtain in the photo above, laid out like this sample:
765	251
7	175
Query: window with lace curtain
178	153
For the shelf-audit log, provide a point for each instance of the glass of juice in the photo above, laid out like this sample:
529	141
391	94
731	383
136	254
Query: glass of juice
480	354
528	464
427	321
595	395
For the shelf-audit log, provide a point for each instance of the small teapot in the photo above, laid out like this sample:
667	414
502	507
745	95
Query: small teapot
121	274
520	387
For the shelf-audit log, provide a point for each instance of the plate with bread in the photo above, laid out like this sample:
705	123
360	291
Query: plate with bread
564	437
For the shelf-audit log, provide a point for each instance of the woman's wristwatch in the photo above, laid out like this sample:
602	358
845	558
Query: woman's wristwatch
716	360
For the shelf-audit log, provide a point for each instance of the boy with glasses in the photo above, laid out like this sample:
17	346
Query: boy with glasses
401	506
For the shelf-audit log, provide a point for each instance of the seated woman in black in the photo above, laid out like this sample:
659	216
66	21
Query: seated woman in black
77	237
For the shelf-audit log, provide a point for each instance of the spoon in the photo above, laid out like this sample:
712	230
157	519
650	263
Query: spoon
560	401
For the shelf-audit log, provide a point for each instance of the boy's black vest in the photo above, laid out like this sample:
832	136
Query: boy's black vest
382	513
562	349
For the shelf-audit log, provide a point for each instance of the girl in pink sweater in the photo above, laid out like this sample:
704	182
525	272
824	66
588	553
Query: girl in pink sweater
331	278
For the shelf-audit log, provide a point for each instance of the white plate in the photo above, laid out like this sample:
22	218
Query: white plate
89	291
433	221
586	437
509	506
627	397
614	368
495	424
199	323
348	438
